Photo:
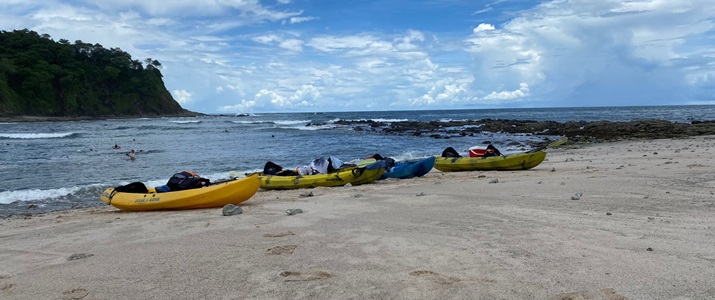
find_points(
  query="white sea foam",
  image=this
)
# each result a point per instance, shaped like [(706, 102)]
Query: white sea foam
[(35, 135), (315, 127), (309, 128), (381, 120), (35, 194), (186, 122), (301, 125), (404, 156), (252, 122), (291, 122)]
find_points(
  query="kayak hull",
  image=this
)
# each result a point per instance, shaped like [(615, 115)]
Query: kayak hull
[(353, 175), (216, 195), (517, 161), (410, 168)]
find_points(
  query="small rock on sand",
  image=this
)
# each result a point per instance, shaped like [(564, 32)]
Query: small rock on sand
[(293, 211), (230, 210)]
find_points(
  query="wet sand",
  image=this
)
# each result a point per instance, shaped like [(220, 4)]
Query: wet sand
[(642, 228)]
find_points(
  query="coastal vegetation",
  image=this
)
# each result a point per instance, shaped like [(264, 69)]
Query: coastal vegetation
[(40, 77)]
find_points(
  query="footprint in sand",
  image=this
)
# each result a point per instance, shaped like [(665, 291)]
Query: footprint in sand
[(436, 277), (607, 294), (278, 250), (77, 256), (75, 293), (280, 234), (298, 276), (6, 287)]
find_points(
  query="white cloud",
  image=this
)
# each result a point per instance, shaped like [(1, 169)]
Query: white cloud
[(292, 44), (444, 91), (413, 36), (296, 20), (361, 46), (372, 63), (336, 43), (246, 9), (522, 92), (483, 27), (295, 45), (304, 96), (267, 39), (596, 53), (245, 105), (182, 96), (272, 97)]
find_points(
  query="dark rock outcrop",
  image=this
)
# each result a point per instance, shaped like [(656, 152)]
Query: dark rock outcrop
[(584, 132)]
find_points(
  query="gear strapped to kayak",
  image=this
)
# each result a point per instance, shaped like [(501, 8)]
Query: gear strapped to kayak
[(185, 180), (320, 165)]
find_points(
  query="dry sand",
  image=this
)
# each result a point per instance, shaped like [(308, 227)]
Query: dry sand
[(644, 228)]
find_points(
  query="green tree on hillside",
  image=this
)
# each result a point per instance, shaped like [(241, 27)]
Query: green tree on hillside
[(41, 77)]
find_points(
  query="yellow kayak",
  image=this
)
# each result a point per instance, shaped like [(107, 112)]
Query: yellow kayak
[(216, 195), (372, 172), (518, 161), (353, 175)]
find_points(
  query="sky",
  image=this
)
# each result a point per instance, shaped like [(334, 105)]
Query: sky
[(249, 56)]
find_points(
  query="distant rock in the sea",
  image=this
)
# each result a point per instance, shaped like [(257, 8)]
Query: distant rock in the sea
[(582, 131)]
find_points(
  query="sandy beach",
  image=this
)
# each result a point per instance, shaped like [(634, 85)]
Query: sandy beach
[(642, 228)]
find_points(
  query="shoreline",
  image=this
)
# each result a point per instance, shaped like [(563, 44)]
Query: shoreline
[(578, 132), (24, 118), (643, 229)]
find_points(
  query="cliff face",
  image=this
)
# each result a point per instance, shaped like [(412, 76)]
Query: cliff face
[(41, 77)]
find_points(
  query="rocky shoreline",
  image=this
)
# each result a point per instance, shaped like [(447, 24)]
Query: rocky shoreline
[(577, 132)]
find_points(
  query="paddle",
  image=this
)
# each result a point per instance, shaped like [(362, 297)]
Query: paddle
[(222, 181), (558, 142), (553, 144), (232, 179)]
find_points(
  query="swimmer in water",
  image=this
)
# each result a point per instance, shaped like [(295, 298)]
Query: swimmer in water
[(131, 155)]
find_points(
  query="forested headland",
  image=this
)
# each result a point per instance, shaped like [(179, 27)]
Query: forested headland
[(40, 77)]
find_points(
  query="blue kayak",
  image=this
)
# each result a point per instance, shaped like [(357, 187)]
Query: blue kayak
[(410, 168)]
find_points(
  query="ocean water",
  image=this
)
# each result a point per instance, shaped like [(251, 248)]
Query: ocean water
[(60, 165)]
